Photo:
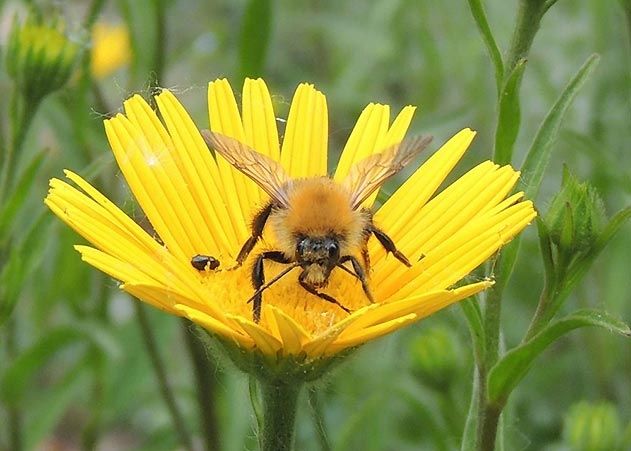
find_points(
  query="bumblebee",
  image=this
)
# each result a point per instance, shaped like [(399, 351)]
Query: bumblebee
[(319, 224)]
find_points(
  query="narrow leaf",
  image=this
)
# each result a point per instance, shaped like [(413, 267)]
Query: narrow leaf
[(539, 154), (509, 116), (509, 371), (254, 38), (19, 193), (479, 15)]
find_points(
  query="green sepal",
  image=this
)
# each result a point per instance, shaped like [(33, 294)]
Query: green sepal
[(282, 368)]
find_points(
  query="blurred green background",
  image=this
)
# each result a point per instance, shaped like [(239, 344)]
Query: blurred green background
[(76, 362)]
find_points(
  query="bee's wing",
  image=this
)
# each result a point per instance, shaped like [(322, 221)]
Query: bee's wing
[(267, 173), (371, 172)]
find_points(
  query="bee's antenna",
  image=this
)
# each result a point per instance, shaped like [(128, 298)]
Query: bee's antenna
[(273, 281)]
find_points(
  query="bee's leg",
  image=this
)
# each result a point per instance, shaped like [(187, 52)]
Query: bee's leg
[(319, 294), (366, 258), (389, 245), (359, 273), (258, 279), (258, 223)]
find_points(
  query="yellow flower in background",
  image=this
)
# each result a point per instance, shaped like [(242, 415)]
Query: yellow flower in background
[(111, 49), (200, 204)]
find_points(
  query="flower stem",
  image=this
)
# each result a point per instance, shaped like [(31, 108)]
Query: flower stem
[(279, 414), (318, 419), (158, 366), (205, 381), (529, 17), (14, 414)]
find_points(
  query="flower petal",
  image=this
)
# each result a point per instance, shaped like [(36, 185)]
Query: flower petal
[(370, 333), (399, 212), (242, 194), (465, 250), (422, 304), (198, 169), (371, 135), (304, 151), (156, 184), (259, 121), (212, 325), (370, 128), (267, 343), (292, 334)]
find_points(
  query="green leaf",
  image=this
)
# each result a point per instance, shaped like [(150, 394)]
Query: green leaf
[(477, 11), (19, 193), (15, 379), (254, 37), (539, 154), (512, 368), (509, 116), (24, 257)]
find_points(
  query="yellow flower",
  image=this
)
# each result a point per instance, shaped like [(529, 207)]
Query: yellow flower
[(201, 205), (111, 49)]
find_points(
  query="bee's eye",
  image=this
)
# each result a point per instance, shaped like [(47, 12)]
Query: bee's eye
[(333, 248)]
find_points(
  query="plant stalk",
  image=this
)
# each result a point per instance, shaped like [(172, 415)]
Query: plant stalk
[(158, 367), (280, 401), (529, 16), (205, 382)]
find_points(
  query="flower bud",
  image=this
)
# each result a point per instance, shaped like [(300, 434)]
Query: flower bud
[(39, 57), (435, 356), (592, 427), (575, 217)]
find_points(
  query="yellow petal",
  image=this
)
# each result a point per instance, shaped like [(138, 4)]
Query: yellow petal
[(399, 211), (371, 135), (304, 151), (259, 121), (241, 192), (369, 130), (199, 170), (214, 326), (369, 333), (292, 335), (267, 343), (460, 254), (319, 344), (156, 184), (422, 304)]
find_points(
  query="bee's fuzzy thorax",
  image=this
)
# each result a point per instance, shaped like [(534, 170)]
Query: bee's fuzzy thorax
[(319, 207)]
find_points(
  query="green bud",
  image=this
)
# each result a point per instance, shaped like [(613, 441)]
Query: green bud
[(575, 217), (39, 57), (435, 356), (592, 427)]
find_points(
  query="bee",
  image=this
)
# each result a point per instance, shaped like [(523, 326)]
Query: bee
[(319, 224)]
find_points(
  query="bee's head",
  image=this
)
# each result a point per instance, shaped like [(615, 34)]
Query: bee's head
[(322, 250)]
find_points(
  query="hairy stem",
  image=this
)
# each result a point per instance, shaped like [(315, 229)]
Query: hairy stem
[(280, 401), (529, 16), (205, 381), (158, 367)]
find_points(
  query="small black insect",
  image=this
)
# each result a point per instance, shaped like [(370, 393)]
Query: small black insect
[(204, 262)]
